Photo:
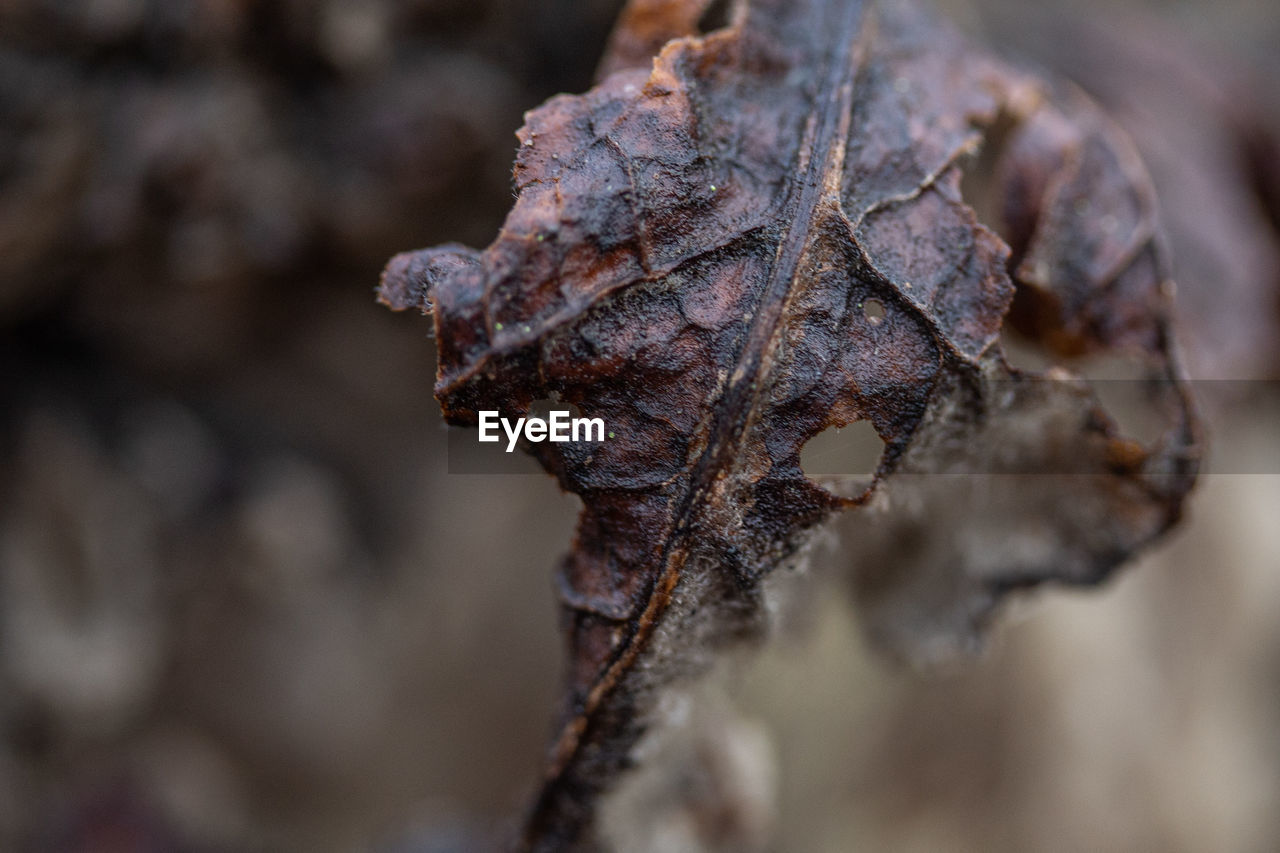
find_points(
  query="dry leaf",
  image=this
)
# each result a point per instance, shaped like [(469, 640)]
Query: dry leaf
[(759, 235)]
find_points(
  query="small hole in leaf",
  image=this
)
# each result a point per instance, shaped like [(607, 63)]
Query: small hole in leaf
[(849, 451), (717, 16), (873, 309)]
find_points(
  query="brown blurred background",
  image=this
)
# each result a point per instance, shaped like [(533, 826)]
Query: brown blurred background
[(244, 605)]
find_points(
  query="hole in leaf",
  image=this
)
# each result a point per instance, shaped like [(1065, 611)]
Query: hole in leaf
[(1128, 392), (1125, 387), (850, 451), (873, 309), (1023, 352), (978, 185), (717, 16), (544, 407)]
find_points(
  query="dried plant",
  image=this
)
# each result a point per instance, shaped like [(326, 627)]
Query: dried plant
[(743, 237)]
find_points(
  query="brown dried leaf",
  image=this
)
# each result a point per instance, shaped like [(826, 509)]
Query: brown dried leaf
[(760, 235)]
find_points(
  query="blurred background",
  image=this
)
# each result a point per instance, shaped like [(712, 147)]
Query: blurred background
[(244, 605)]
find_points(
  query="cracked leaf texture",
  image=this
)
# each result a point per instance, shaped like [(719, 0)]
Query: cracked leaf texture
[(690, 257)]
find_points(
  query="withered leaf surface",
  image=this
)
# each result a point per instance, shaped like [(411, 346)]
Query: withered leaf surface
[(759, 234)]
